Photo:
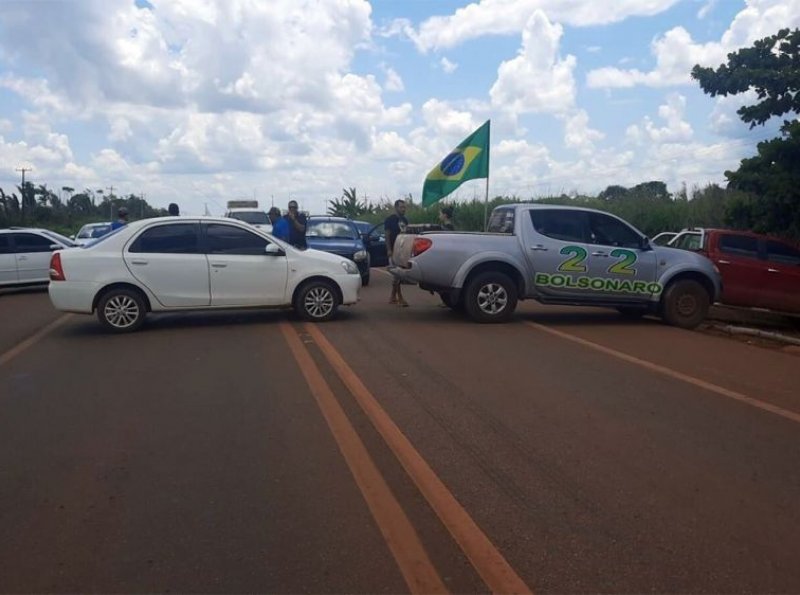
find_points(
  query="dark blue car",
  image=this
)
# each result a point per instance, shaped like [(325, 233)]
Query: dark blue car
[(340, 236)]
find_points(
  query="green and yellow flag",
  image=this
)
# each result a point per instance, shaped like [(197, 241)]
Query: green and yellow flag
[(468, 161)]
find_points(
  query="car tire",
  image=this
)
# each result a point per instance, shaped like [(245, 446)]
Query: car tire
[(316, 301), (122, 310), (685, 304), (490, 298)]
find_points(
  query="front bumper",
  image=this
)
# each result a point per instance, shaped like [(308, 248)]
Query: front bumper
[(350, 286)]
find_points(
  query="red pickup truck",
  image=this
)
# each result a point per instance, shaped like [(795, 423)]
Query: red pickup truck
[(757, 271)]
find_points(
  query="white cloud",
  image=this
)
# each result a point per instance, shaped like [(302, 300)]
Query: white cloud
[(505, 17), (448, 66), (675, 130), (393, 81), (676, 52), (577, 134), (707, 8), (537, 80)]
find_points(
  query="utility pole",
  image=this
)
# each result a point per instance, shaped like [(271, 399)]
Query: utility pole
[(22, 192)]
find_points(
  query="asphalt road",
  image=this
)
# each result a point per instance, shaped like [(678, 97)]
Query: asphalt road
[(393, 450)]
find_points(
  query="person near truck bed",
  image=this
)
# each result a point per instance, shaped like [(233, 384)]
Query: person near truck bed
[(394, 225)]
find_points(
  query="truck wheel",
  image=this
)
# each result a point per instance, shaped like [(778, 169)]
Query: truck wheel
[(316, 301), (685, 304), (121, 310), (490, 297), (447, 300)]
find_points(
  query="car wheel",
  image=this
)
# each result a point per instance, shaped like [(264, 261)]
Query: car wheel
[(122, 310), (316, 301), (490, 297), (685, 304), (631, 312)]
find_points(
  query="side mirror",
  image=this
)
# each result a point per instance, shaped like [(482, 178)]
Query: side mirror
[(274, 250), (366, 237), (647, 245)]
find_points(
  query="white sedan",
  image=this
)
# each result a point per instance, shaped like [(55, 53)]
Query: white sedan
[(179, 263)]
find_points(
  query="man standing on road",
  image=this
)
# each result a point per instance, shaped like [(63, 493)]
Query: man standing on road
[(446, 218), (394, 225), (297, 226), (122, 219)]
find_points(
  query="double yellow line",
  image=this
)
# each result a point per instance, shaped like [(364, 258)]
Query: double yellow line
[(404, 543)]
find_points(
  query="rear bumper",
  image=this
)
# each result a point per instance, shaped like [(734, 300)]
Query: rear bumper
[(72, 296), (411, 274)]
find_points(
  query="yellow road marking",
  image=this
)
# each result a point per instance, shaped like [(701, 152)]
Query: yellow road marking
[(492, 567), (731, 394), (403, 541), (32, 340)]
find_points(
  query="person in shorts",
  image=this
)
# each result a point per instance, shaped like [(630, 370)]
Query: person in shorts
[(394, 225)]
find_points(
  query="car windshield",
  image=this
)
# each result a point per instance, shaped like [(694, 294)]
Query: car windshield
[(59, 238), (251, 217), (93, 231), (338, 230)]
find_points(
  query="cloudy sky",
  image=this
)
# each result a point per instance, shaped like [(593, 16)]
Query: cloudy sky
[(201, 101)]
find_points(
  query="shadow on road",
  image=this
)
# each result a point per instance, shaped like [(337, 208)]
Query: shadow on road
[(23, 290)]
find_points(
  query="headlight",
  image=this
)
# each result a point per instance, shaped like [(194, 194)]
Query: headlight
[(360, 255), (349, 267)]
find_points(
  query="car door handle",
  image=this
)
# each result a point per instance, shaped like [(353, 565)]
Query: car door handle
[(724, 261), (139, 262), (219, 265), (773, 271), (22, 258), (599, 253), (539, 248)]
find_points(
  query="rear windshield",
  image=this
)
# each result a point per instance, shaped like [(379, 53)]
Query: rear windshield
[(103, 238), (93, 231), (501, 221)]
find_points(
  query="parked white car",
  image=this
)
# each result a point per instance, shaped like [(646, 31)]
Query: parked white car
[(180, 263), (25, 254)]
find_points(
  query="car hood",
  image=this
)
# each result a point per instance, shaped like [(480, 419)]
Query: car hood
[(336, 246)]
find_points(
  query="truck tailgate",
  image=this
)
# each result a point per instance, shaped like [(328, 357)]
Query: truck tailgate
[(402, 249)]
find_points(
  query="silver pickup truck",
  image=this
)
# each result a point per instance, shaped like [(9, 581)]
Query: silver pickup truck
[(558, 255)]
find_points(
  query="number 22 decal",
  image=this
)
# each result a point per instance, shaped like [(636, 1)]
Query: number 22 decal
[(624, 266), (574, 264), (578, 255)]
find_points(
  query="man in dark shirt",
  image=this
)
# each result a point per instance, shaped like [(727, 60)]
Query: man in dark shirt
[(297, 226), (394, 225)]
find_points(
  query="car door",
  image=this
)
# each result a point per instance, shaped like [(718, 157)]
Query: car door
[(620, 267), (557, 251), (376, 246), (8, 260), (168, 260), (780, 286), (33, 256), (741, 269), (241, 271)]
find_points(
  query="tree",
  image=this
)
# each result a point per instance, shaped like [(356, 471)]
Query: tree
[(772, 68), (348, 205)]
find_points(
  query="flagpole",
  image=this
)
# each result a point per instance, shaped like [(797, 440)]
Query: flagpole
[(486, 201)]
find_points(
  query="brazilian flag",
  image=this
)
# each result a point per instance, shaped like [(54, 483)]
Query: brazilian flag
[(468, 161)]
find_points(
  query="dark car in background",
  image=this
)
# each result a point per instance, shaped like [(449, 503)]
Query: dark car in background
[(375, 242), (340, 236)]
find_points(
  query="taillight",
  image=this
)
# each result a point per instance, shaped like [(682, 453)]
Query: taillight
[(420, 245), (56, 270)]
